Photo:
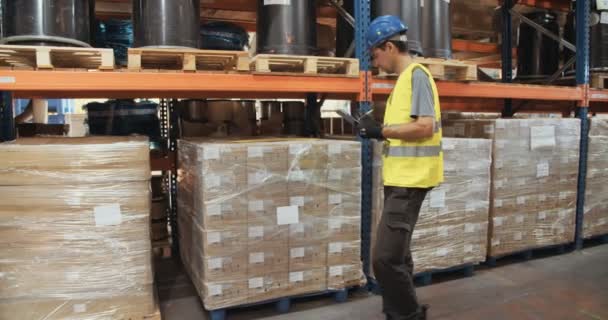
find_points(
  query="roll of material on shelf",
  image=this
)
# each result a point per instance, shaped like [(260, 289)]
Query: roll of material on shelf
[(409, 12), (538, 55), (47, 22), (437, 30), (167, 23), (287, 27)]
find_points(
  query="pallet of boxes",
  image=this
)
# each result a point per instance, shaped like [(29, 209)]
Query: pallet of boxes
[(534, 178), (596, 201), (75, 242), (452, 226), (262, 220)]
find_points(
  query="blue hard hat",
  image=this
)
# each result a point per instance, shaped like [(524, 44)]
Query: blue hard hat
[(384, 28)]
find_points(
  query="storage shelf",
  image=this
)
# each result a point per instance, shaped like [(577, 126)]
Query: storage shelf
[(83, 84), (561, 5)]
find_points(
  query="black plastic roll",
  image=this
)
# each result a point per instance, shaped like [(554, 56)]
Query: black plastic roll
[(409, 12), (287, 27), (538, 55), (47, 22), (166, 23)]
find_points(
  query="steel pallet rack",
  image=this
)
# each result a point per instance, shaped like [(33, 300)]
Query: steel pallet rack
[(456, 96)]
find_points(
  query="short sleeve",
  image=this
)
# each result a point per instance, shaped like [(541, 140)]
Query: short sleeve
[(423, 104)]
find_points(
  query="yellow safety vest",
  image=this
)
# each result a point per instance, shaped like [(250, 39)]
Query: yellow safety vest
[(415, 164)]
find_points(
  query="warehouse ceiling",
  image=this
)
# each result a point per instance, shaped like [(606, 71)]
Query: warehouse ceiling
[(242, 12)]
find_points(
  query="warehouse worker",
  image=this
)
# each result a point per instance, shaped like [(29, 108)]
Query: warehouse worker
[(413, 163)]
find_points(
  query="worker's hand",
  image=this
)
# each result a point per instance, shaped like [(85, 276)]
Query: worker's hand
[(370, 129)]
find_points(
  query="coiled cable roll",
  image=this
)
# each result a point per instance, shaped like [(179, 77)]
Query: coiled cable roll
[(218, 35)]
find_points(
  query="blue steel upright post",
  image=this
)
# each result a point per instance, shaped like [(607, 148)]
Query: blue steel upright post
[(583, 11), (507, 54), (362, 21)]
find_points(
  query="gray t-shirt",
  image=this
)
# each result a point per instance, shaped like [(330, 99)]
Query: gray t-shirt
[(423, 104)]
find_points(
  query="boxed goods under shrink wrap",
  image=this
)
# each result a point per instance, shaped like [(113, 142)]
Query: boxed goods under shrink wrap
[(76, 232), (534, 184), (596, 194), (453, 222), (264, 219)]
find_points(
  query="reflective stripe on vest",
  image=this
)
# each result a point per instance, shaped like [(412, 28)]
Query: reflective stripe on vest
[(436, 126), (414, 151)]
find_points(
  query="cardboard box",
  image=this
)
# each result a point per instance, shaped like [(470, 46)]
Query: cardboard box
[(308, 256), (595, 222), (306, 281)]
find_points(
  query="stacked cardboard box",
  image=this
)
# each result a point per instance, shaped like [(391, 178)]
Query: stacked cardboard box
[(534, 175), (453, 222), (75, 219), (269, 218), (596, 201)]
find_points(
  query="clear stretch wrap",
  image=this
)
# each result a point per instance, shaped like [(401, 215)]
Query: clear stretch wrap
[(263, 219), (453, 223), (596, 195), (534, 177), (74, 215)]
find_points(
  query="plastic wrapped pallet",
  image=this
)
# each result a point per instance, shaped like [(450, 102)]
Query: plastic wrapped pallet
[(453, 222), (596, 201), (264, 219), (75, 219)]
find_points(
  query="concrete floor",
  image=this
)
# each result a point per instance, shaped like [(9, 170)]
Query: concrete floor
[(573, 286)]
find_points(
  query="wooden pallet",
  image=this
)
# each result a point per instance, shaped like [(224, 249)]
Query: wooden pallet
[(39, 57), (598, 80), (189, 60), (161, 248), (442, 69), (309, 65)]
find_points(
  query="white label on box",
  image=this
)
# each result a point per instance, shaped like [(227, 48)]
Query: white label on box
[(521, 200), (296, 276), (517, 236), (296, 175), (335, 198), (542, 197), (335, 224), (442, 252), (542, 169), (215, 290), (498, 164), (437, 199), (256, 257), (79, 308), (256, 205), (470, 206), (335, 148), (215, 263), (288, 215), (214, 237), (257, 177), (212, 181), (604, 18), (498, 203), (107, 215), (602, 5), (296, 201), (214, 210), (563, 213), (495, 242), (256, 232), (335, 174), (468, 248), (519, 219), (542, 215), (255, 152), (297, 252), (277, 2), (336, 271), (469, 227), (499, 183), (335, 247), (542, 137), (498, 221), (255, 283), (211, 153), (295, 149), (563, 195), (442, 231), (488, 129)]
